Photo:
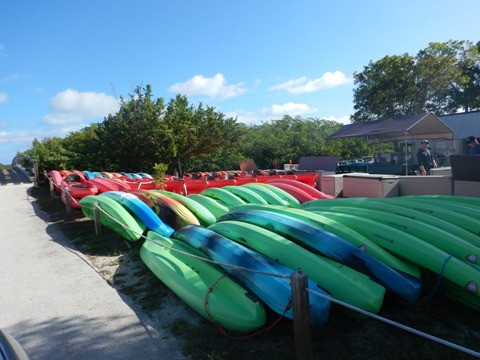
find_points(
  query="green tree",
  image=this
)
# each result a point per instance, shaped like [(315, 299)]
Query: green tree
[(84, 148), (403, 85), (279, 141), (385, 89), (467, 94), (51, 154), (192, 132), (133, 139)]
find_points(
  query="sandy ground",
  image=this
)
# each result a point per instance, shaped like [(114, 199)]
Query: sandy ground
[(58, 303)]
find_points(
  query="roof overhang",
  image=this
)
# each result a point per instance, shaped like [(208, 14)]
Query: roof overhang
[(416, 127)]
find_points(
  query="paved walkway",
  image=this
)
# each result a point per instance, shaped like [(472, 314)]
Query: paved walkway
[(12, 176), (55, 303)]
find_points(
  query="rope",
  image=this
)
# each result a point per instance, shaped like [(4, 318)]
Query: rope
[(398, 325), (224, 332), (439, 280), (440, 275), (282, 276)]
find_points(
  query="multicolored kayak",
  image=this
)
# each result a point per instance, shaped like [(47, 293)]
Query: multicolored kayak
[(171, 211), (202, 285), (268, 279), (446, 241), (337, 228), (341, 282), (416, 213), (136, 206), (413, 249), (316, 239), (204, 216)]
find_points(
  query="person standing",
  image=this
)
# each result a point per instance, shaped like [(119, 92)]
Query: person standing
[(474, 146), (425, 159)]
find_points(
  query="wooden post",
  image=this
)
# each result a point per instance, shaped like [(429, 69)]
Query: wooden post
[(96, 219), (67, 199), (36, 177), (52, 187), (301, 316)]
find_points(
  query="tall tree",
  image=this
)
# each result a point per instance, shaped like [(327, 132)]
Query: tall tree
[(466, 95), (133, 138), (403, 85), (385, 88), (51, 154), (196, 131), (279, 141), (84, 148)]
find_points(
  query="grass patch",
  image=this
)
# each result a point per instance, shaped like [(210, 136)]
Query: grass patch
[(341, 338)]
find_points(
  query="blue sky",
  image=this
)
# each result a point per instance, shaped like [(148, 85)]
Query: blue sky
[(64, 64)]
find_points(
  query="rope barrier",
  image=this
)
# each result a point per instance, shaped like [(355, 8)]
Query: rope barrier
[(339, 302), (239, 268), (224, 332), (398, 325)]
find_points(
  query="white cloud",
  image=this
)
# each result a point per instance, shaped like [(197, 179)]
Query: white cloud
[(3, 97), (246, 117), (277, 111), (18, 136), (305, 85), (13, 77), (291, 109), (214, 87), (71, 108), (345, 119)]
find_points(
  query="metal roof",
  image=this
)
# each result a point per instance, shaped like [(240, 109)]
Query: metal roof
[(416, 127), (463, 124)]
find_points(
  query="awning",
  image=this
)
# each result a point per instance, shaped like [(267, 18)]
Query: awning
[(416, 127)]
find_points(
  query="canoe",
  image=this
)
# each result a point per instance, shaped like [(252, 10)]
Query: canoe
[(56, 178), (204, 216), (413, 249), (314, 192), (216, 208), (267, 194), (225, 197), (105, 185), (339, 281), (287, 197), (137, 207), (316, 239), (274, 291), (114, 216), (440, 211), (446, 241), (299, 194), (76, 191), (171, 211), (246, 194), (354, 237), (197, 282), (408, 213)]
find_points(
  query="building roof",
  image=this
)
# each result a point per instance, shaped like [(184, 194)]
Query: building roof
[(463, 124), (416, 127)]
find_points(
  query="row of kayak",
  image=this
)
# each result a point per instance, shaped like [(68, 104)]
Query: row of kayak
[(74, 185), (354, 250)]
